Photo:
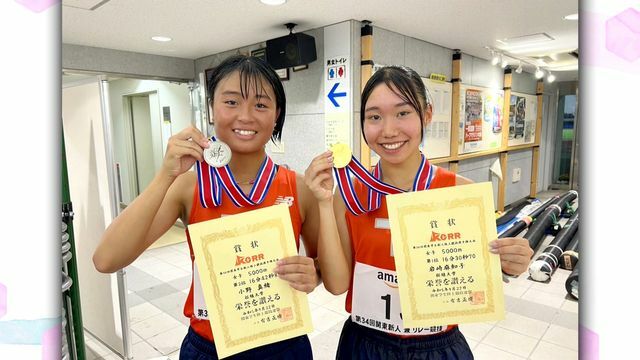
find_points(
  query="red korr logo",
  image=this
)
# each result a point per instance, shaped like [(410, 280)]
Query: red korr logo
[(440, 237), (240, 260)]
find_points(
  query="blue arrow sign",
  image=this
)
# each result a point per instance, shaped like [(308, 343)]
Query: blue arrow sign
[(333, 94)]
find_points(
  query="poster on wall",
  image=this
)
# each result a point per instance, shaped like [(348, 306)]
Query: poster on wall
[(472, 119), (481, 117), (436, 142), (493, 105), (516, 117), (522, 119)]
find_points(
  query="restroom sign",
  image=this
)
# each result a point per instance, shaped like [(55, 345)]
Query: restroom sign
[(336, 72)]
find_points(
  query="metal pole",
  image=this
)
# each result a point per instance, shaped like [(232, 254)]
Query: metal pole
[(120, 275)]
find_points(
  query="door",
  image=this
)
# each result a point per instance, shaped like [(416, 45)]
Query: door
[(565, 159)]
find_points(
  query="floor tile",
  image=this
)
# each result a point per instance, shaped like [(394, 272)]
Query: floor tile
[(142, 350), (543, 298), (171, 274), (146, 263), (570, 305), (324, 346), (486, 352), (135, 338), (323, 319), (510, 341), (531, 309), (567, 320), (562, 336), (556, 288), (515, 290), (174, 355), (154, 325), (320, 295), (337, 304), (472, 343), (524, 325), (475, 331), (134, 299), (547, 351), (142, 312), (168, 341), (157, 291), (170, 301)]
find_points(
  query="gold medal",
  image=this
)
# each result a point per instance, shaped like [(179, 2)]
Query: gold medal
[(341, 155)]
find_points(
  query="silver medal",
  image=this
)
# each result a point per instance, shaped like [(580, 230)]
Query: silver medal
[(218, 154)]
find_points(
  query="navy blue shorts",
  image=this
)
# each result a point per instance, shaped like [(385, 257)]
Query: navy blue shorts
[(195, 347), (360, 342)]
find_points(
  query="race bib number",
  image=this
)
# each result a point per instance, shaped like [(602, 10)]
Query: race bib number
[(376, 302), (199, 306)]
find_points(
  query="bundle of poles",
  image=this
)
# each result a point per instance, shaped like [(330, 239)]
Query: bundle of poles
[(563, 249), (549, 260)]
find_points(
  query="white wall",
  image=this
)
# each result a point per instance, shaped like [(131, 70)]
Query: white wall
[(174, 95), (89, 190)]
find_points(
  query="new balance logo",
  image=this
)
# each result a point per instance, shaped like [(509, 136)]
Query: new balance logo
[(284, 200)]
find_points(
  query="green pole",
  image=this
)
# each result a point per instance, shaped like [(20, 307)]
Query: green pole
[(72, 265)]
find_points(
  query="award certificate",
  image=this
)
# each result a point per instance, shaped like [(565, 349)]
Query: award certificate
[(248, 305), (446, 274)]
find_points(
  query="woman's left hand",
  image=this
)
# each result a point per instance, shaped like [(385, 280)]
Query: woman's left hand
[(299, 271), (515, 254)]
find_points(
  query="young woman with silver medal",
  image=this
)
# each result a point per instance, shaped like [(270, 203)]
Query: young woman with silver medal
[(233, 175)]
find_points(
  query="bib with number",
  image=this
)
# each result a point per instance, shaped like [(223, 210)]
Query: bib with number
[(376, 302)]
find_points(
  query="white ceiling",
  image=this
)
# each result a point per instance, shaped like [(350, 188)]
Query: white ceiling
[(204, 27)]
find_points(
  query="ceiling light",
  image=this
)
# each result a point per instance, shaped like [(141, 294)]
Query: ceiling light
[(519, 69), (495, 59), (273, 2), (161, 38), (571, 17), (551, 78), (504, 62), (539, 73)]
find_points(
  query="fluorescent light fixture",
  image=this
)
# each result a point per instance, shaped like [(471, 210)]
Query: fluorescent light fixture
[(161, 38), (273, 2), (571, 17), (551, 78), (539, 73)]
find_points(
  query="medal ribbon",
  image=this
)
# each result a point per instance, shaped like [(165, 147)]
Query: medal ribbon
[(377, 188), (211, 181)]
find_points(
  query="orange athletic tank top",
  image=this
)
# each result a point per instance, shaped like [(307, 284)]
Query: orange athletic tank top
[(373, 267), (282, 191)]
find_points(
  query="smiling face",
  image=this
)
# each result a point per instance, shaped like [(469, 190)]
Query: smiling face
[(244, 113), (392, 126)]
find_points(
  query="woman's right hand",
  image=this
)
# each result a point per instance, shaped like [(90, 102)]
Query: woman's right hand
[(319, 176), (183, 149)]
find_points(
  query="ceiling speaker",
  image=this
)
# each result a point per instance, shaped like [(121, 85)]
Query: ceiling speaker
[(291, 50)]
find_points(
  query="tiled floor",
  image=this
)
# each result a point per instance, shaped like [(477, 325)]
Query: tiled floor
[(541, 320)]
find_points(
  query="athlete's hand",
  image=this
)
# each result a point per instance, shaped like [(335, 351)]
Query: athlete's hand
[(183, 149), (515, 254), (319, 176), (299, 271)]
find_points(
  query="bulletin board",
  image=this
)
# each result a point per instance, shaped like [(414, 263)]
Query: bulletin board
[(480, 123), (523, 110), (437, 135)]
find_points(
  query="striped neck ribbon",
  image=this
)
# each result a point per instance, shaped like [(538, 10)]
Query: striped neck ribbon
[(211, 181), (377, 188)]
